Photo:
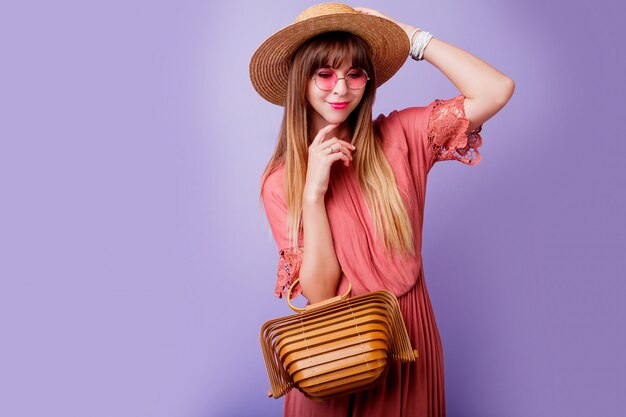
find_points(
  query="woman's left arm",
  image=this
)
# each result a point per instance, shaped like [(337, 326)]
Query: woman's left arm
[(486, 89)]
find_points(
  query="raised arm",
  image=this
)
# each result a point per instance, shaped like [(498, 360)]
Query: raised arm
[(486, 89), (320, 270)]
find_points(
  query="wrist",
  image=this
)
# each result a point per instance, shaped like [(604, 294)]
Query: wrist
[(312, 199), (419, 41), (409, 30)]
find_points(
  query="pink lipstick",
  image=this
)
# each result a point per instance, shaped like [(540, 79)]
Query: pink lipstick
[(339, 105)]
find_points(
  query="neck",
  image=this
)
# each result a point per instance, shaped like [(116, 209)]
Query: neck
[(343, 131)]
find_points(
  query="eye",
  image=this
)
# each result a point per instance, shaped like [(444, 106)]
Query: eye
[(356, 73), (325, 73)]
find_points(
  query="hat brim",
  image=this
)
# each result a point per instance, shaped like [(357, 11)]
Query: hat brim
[(269, 66)]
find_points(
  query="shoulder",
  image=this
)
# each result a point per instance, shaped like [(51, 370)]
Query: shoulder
[(404, 118), (274, 184), (399, 126)]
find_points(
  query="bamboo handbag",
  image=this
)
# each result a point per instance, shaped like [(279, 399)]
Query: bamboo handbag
[(335, 347)]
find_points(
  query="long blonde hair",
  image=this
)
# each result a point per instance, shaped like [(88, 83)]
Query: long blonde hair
[(373, 171)]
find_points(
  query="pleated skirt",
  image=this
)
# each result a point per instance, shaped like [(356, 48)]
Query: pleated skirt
[(409, 390)]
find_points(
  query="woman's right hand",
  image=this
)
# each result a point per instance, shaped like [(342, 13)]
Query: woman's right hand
[(322, 154)]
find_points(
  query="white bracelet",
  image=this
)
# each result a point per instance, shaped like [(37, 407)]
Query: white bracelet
[(413, 34), (418, 47)]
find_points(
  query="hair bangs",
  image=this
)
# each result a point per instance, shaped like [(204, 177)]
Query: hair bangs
[(334, 49)]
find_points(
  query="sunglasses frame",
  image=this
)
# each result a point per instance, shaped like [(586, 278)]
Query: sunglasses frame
[(367, 78)]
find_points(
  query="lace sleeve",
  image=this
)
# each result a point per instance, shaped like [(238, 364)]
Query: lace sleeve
[(447, 132), (290, 255), (288, 270)]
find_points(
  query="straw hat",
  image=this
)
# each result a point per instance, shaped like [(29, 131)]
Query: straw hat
[(269, 66)]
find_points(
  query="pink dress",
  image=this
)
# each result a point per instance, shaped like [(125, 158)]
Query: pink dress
[(413, 140)]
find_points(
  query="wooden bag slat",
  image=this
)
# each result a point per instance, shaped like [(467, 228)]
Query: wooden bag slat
[(335, 316), (335, 351), (312, 334), (373, 299), (347, 385), (310, 350), (346, 368), (371, 315), (309, 332), (295, 327), (299, 322), (321, 351), (295, 322), (344, 337)]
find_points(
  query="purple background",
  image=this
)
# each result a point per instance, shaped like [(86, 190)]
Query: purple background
[(136, 264)]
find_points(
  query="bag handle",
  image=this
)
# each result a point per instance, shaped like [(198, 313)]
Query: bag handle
[(321, 303)]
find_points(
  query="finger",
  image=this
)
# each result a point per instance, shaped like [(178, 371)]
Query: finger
[(363, 10), (334, 140), (334, 157), (345, 150), (328, 146), (372, 12), (340, 149), (367, 10), (347, 144), (323, 132), (338, 146)]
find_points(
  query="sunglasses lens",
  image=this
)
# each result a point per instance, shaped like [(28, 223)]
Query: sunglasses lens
[(326, 79), (356, 78)]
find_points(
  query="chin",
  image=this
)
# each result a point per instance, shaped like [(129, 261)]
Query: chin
[(336, 119)]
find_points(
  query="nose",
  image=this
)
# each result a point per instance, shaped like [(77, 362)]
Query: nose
[(341, 87)]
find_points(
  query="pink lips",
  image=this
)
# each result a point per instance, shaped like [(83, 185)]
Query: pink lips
[(339, 105)]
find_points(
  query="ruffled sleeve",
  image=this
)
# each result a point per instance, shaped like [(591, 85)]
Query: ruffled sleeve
[(289, 262), (289, 257), (447, 132)]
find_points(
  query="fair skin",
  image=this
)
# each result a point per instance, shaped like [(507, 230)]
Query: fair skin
[(486, 91), (320, 270)]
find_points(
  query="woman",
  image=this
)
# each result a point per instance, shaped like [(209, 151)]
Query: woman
[(344, 195)]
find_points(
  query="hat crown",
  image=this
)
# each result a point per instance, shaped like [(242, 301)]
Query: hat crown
[(324, 9)]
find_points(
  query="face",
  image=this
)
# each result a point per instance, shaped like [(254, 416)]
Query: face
[(332, 106)]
